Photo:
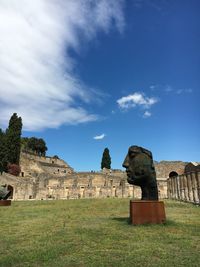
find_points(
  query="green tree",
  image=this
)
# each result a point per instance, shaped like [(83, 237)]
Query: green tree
[(31, 144), (3, 162), (41, 147), (106, 159), (13, 139), (37, 145), (24, 141)]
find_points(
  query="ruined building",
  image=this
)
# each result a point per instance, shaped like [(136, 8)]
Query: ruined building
[(52, 178)]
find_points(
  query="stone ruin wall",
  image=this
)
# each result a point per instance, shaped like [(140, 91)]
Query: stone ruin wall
[(50, 178), (164, 168), (186, 186), (31, 165)]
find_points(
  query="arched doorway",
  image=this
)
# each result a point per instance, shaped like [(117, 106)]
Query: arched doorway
[(173, 174)]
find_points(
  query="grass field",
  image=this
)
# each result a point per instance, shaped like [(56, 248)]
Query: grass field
[(96, 232)]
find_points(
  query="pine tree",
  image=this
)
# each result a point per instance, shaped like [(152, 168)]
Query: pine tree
[(13, 139), (106, 159), (37, 146)]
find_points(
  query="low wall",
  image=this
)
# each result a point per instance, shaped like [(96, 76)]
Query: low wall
[(185, 187)]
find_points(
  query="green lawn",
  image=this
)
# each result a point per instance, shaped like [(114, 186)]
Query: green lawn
[(96, 232)]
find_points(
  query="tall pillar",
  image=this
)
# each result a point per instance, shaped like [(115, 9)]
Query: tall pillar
[(181, 187), (175, 187), (194, 187), (198, 184), (172, 187), (169, 190), (178, 187), (189, 185), (186, 198), (173, 193)]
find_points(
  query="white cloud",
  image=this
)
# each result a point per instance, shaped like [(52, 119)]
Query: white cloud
[(168, 89), (136, 99), (182, 91), (147, 114), (37, 77), (152, 87), (99, 137)]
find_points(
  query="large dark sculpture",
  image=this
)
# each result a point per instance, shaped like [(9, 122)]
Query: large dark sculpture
[(141, 171), (4, 192)]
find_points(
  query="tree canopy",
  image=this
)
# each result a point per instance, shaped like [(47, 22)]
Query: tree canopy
[(36, 145)]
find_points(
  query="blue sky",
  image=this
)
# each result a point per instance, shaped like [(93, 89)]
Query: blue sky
[(87, 75)]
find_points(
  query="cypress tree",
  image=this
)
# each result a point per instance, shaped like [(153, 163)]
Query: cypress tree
[(13, 139), (3, 162), (106, 159)]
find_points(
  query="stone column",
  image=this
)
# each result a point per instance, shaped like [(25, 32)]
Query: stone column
[(189, 186), (186, 198), (198, 184), (123, 188), (178, 187), (168, 188), (181, 187), (194, 187), (173, 188)]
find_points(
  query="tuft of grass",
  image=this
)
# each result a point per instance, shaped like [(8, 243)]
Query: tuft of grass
[(96, 232)]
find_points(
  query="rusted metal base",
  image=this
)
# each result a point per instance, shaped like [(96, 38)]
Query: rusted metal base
[(147, 212), (5, 202)]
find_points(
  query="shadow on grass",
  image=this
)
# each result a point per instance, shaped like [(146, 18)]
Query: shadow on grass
[(123, 220), (171, 223)]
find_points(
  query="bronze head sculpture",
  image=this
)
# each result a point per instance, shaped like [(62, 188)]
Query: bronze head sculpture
[(4, 192), (141, 171)]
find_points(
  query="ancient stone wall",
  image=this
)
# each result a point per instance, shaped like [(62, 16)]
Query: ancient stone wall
[(23, 188), (84, 185), (164, 168), (32, 164), (52, 178)]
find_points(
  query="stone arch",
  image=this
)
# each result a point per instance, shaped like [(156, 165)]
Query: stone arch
[(173, 174)]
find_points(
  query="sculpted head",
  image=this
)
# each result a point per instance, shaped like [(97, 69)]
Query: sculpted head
[(140, 171), (4, 192)]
